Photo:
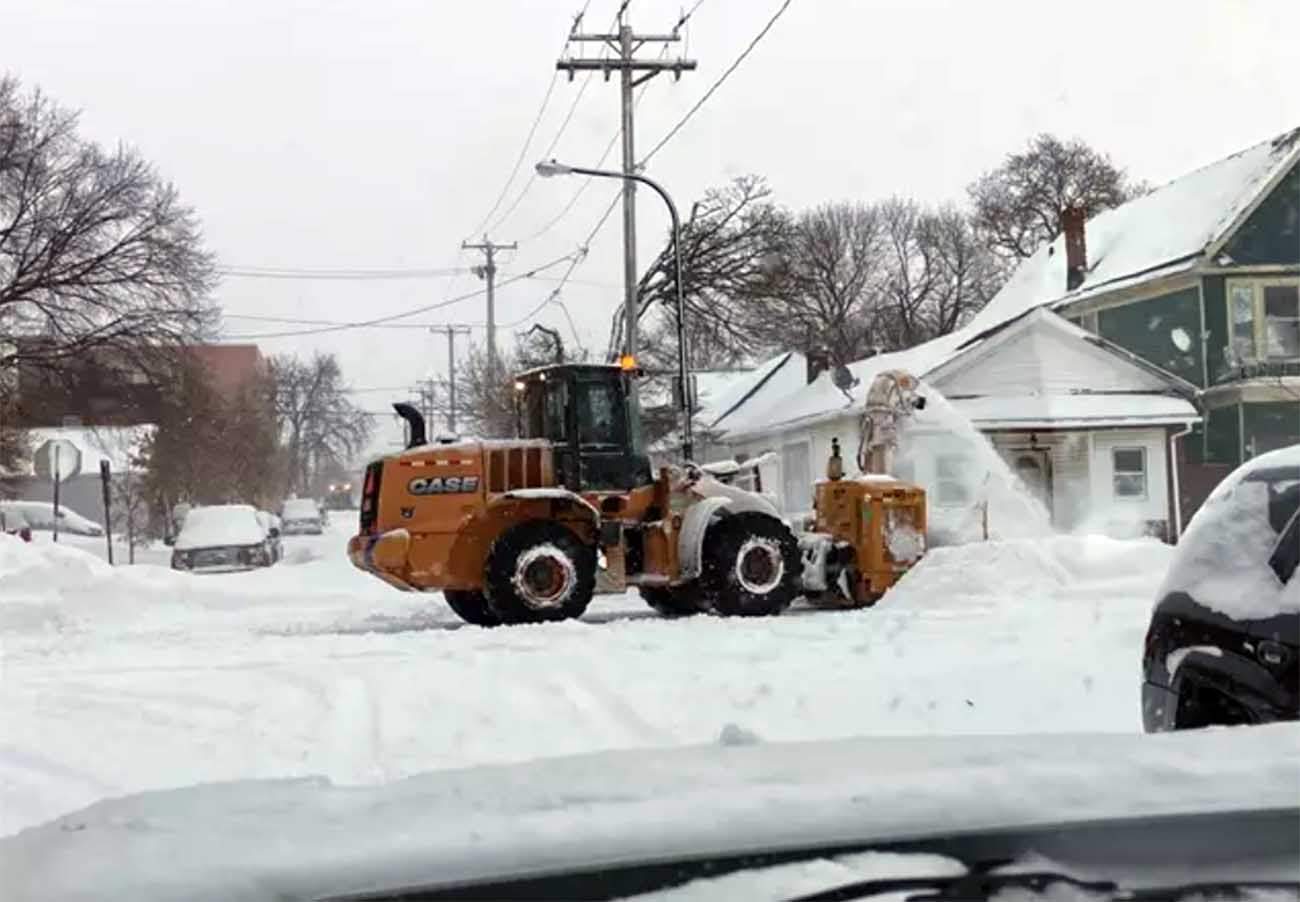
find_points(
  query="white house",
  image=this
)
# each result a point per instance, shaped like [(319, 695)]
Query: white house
[(1086, 426)]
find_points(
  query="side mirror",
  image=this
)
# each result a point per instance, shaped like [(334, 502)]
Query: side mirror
[(169, 541), (273, 532)]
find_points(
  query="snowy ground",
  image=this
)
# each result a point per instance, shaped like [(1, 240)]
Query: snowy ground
[(133, 678)]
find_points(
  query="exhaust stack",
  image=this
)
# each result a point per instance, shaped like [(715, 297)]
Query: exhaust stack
[(415, 420)]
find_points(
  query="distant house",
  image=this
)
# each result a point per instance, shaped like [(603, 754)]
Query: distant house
[(1201, 277), (1121, 371), (105, 389), (82, 491)]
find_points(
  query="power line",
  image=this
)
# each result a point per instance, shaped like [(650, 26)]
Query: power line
[(686, 16), (364, 275), (532, 131), (573, 264), (550, 149), (546, 154), (609, 148), (717, 84), (404, 314)]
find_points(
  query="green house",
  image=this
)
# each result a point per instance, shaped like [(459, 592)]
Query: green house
[(1200, 277)]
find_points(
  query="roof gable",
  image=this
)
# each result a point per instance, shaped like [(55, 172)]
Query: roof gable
[(1157, 234), (1271, 232), (770, 380), (1043, 354)]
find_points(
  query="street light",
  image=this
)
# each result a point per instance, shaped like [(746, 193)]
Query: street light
[(549, 168)]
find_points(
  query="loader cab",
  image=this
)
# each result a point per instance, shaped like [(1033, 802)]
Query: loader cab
[(589, 413)]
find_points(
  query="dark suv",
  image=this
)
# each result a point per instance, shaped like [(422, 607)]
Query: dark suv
[(1224, 642)]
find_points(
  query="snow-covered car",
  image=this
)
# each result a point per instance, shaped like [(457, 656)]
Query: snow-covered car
[(1223, 646), (221, 538), (14, 523), (40, 516), (301, 516), (271, 523)]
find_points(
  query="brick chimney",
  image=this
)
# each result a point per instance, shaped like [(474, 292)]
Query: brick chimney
[(1073, 220), (819, 361)]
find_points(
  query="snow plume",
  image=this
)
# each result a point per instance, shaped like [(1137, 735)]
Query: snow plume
[(966, 479)]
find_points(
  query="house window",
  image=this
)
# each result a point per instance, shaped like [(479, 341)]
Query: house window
[(1264, 319), (1129, 466), (950, 489)]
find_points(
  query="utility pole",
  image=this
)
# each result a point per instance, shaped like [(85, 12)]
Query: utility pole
[(488, 272), (427, 399), (451, 332), (625, 44)]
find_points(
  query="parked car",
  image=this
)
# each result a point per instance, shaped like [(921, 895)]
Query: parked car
[(40, 516), (14, 523), (271, 524), (222, 537), (301, 516), (1223, 646)]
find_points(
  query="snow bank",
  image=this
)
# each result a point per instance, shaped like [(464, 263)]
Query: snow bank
[(1029, 570)]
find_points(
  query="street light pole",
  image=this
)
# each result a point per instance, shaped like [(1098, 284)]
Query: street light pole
[(548, 168)]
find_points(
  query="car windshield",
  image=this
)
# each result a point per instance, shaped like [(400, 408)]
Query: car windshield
[(493, 438)]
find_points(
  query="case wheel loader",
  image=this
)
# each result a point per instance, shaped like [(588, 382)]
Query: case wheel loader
[(512, 531)]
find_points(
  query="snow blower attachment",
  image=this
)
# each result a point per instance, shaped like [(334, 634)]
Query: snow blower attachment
[(867, 531), (513, 531)]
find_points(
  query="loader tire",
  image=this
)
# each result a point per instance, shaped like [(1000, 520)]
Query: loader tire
[(675, 601), (752, 565), (538, 572), (471, 606)]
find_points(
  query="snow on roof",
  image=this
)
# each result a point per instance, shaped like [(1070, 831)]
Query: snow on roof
[(772, 378), (115, 444), (1158, 234), (1075, 411), (819, 400)]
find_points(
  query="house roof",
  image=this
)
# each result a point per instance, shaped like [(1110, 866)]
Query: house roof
[(1064, 362), (771, 379), (1156, 235)]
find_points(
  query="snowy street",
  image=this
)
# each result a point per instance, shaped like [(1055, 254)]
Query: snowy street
[(133, 678)]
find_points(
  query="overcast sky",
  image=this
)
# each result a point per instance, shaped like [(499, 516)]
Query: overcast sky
[(379, 133)]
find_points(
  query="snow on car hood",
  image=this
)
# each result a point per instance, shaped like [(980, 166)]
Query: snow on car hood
[(300, 510), (1222, 559), (295, 839), (218, 527)]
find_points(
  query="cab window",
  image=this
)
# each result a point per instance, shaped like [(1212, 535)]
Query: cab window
[(557, 401), (599, 422)]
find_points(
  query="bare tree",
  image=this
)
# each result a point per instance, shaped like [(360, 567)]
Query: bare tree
[(937, 273), (319, 425), (728, 241), (822, 290), (15, 446), (96, 250), (1018, 205)]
